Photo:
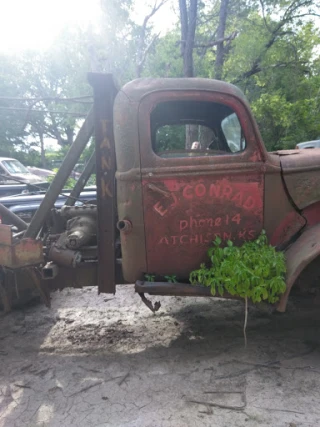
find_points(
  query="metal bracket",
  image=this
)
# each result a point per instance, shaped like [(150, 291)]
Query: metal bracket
[(149, 304)]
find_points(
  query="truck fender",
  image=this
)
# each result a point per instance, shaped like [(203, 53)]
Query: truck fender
[(303, 251)]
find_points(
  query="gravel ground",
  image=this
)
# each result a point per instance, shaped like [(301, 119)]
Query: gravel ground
[(108, 361)]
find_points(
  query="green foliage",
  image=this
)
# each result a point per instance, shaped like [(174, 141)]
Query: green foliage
[(271, 52), (254, 270), (150, 277), (70, 183), (171, 137), (29, 82), (171, 279), (165, 60), (92, 180)]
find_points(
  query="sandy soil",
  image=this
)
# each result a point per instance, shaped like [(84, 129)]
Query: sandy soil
[(108, 361)]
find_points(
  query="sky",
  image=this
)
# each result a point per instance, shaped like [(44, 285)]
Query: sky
[(35, 24)]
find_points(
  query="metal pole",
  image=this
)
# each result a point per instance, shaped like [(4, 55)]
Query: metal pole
[(61, 177), (17, 221), (85, 175), (105, 90)]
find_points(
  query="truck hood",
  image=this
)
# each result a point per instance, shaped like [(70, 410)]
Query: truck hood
[(301, 174)]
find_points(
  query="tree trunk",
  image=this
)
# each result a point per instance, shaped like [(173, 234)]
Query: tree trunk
[(218, 67), (206, 137), (188, 20), (192, 135), (70, 134), (42, 150)]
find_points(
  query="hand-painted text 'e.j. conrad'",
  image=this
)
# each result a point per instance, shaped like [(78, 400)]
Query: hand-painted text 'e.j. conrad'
[(224, 192)]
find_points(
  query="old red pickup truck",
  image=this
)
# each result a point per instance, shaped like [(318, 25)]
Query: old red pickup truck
[(178, 161)]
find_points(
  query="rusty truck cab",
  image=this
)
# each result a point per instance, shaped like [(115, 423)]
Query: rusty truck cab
[(178, 199)]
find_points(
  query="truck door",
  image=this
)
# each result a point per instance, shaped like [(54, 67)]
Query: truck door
[(202, 172)]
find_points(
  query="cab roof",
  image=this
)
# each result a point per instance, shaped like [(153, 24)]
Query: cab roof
[(137, 89)]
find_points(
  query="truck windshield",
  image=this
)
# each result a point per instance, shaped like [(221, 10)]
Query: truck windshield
[(14, 167)]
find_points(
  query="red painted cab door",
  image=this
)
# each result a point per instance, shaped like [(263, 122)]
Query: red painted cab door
[(202, 177)]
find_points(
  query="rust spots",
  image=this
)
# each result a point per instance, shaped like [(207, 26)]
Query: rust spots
[(291, 224), (105, 160), (312, 213), (183, 216), (256, 156)]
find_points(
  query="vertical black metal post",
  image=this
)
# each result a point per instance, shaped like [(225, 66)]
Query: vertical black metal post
[(105, 90)]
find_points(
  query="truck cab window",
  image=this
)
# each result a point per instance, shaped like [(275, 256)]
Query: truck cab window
[(233, 133), (192, 128)]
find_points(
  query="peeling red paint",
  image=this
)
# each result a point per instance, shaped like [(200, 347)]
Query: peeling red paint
[(312, 214), (180, 228), (291, 225)]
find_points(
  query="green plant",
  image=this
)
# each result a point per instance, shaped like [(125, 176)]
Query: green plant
[(150, 277), (70, 183), (171, 279), (253, 271)]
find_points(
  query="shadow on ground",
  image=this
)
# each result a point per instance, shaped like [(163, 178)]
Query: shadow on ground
[(108, 361)]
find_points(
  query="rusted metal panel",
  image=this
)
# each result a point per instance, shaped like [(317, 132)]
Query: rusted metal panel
[(251, 157), (282, 221), (129, 189), (301, 172), (298, 256), (83, 275), (5, 235), (18, 254), (178, 289), (133, 106), (182, 223), (190, 200), (312, 214), (105, 90)]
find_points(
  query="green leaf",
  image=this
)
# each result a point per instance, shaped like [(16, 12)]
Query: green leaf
[(254, 270)]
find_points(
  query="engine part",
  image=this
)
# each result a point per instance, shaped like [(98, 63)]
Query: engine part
[(50, 270), (124, 226), (80, 231), (63, 256), (21, 253), (72, 211)]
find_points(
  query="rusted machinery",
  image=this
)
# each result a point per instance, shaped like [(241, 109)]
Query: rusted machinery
[(161, 199)]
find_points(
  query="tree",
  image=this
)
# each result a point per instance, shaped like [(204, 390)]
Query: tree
[(262, 46), (37, 94), (146, 39), (127, 40), (284, 93), (188, 21)]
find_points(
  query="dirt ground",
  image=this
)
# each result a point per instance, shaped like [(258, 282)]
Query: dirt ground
[(108, 361)]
